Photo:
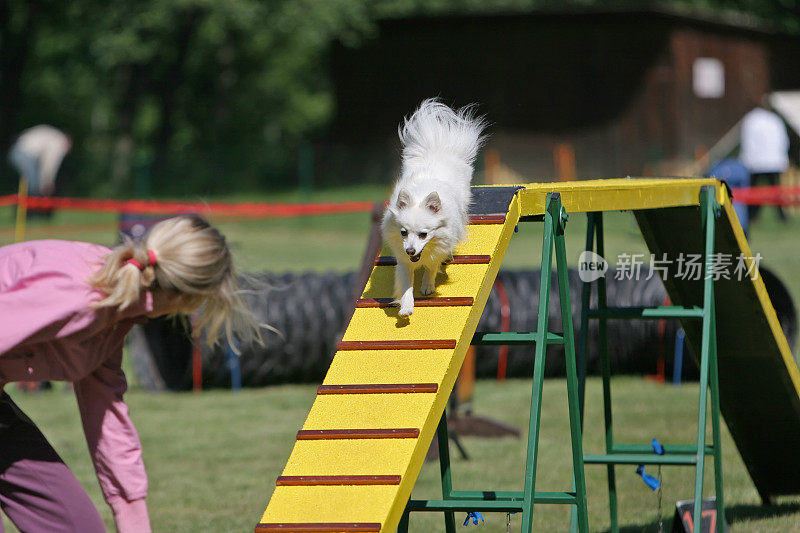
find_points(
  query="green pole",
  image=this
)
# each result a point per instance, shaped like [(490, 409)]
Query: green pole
[(586, 297), (578, 480), (608, 420), (538, 365), (715, 414), (707, 201), (444, 470)]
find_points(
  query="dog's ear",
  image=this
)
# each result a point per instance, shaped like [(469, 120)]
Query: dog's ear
[(403, 199), (433, 202)]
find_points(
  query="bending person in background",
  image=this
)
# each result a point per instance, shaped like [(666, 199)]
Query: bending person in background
[(764, 150), (37, 155), (66, 308)]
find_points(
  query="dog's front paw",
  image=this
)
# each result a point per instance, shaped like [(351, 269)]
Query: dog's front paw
[(428, 285), (427, 288), (406, 306)]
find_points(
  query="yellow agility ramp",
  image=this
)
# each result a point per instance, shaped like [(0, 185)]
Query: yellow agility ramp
[(361, 448)]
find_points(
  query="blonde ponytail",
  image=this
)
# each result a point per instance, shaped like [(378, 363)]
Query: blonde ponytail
[(193, 262), (122, 280)]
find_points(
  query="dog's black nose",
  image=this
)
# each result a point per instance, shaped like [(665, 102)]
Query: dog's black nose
[(411, 251)]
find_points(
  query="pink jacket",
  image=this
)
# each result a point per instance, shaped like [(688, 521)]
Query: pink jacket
[(50, 332)]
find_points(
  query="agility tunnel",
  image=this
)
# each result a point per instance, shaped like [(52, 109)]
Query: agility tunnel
[(360, 450), (301, 349)]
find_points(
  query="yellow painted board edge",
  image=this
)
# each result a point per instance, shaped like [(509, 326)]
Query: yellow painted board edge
[(435, 414), (761, 292), (616, 194)]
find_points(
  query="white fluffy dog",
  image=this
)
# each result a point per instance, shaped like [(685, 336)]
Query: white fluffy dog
[(427, 215)]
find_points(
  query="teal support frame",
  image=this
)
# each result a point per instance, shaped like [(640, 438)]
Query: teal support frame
[(523, 501), (681, 454)]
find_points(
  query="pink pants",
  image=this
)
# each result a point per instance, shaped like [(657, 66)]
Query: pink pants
[(37, 490)]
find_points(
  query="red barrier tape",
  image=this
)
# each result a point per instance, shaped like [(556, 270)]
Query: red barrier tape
[(11, 199), (767, 195), (150, 207)]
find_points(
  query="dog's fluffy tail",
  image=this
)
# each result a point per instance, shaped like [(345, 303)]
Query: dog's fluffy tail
[(436, 135)]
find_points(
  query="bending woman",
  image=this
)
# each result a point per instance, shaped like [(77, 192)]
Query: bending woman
[(66, 308)]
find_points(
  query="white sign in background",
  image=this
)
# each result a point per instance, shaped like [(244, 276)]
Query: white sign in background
[(708, 77)]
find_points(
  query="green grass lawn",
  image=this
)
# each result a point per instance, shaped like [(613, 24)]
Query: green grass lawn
[(212, 458)]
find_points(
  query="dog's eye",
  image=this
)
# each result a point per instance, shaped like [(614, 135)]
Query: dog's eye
[(404, 232), (423, 235)]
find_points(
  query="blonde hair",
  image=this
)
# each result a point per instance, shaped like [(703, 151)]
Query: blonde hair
[(193, 262)]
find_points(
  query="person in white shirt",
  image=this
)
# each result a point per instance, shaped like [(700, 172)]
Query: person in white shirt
[(764, 150), (37, 155)]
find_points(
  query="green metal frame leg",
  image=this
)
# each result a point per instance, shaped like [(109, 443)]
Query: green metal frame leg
[(578, 479), (715, 431), (444, 470), (594, 233), (608, 418), (708, 368), (715, 407), (583, 341), (586, 298), (701, 436), (538, 365)]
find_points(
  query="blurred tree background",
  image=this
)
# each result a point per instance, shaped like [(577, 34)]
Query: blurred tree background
[(175, 97)]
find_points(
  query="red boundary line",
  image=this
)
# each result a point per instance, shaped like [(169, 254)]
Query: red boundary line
[(152, 207), (767, 195), (762, 195)]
